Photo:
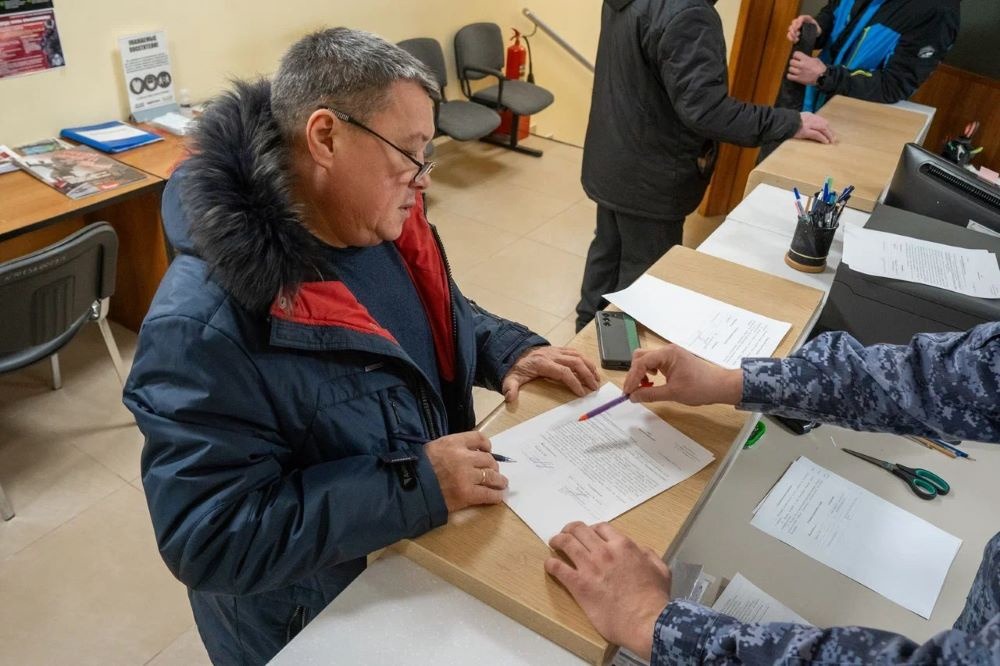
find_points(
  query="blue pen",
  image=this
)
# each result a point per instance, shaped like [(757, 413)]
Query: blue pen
[(958, 452), (846, 194), (798, 202)]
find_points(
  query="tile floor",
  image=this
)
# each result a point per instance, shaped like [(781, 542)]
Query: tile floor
[(80, 579)]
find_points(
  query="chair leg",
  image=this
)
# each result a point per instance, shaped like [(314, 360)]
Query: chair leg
[(109, 341), (511, 142), (56, 374), (6, 508)]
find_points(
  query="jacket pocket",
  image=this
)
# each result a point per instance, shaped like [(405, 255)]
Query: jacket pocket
[(361, 414)]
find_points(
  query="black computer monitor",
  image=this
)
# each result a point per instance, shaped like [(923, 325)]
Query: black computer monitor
[(927, 184)]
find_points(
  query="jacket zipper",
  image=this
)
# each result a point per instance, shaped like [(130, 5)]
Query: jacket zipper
[(451, 292), (298, 616), (426, 413), (854, 54)]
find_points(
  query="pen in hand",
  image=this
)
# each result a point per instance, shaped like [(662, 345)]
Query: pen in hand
[(611, 403), (500, 458)]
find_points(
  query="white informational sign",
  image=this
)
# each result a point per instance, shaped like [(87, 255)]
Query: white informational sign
[(148, 78)]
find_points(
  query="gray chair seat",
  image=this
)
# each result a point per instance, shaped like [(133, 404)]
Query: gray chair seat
[(464, 121), (520, 97)]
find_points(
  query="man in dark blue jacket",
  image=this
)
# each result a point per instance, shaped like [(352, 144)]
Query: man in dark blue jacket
[(304, 375)]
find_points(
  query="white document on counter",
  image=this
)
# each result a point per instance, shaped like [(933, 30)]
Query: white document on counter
[(969, 272), (592, 470), (750, 604), (716, 331), (891, 551)]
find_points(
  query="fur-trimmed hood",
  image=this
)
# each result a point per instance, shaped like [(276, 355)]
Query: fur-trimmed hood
[(237, 196)]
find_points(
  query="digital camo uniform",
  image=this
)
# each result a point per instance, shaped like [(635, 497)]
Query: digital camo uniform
[(939, 384)]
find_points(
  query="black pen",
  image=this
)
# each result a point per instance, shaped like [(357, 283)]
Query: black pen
[(500, 458)]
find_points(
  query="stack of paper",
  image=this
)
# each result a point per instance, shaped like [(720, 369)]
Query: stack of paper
[(891, 551), (592, 470), (969, 272)]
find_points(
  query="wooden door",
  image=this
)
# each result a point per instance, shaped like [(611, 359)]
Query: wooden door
[(756, 65)]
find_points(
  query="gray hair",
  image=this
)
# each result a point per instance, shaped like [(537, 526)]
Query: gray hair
[(351, 70)]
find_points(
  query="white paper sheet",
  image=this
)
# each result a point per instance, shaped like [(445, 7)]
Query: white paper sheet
[(114, 133), (716, 331), (592, 470), (891, 551), (981, 228), (969, 272), (750, 604)]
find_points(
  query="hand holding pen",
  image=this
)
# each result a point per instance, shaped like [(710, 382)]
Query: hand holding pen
[(612, 403)]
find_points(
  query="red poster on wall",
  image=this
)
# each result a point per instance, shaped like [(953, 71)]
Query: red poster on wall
[(29, 39)]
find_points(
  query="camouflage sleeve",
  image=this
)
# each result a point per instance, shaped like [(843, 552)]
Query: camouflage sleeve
[(940, 384), (687, 633)]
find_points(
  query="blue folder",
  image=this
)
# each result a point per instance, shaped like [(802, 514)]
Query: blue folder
[(85, 135)]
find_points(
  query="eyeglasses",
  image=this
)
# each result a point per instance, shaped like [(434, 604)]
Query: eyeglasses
[(423, 168)]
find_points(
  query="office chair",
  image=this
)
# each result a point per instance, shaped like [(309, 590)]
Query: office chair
[(462, 121), (46, 297), (479, 53)]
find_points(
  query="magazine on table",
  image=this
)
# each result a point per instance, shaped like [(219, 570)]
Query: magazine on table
[(7, 163), (8, 156), (76, 171)]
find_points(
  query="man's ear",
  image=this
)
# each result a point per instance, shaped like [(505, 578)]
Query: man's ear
[(322, 136)]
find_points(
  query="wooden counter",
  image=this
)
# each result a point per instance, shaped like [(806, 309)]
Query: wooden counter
[(490, 553), (870, 138)]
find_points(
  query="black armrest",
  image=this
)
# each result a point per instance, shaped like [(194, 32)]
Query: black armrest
[(489, 72)]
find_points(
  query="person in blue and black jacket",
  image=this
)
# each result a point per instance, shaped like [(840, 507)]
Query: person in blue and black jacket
[(876, 50)]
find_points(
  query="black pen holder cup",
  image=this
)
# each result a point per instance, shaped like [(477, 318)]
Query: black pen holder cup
[(810, 245)]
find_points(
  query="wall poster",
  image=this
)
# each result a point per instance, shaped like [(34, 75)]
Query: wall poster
[(29, 38)]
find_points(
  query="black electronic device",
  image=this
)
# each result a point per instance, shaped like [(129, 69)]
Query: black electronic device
[(617, 338), (796, 426), (928, 184), (876, 309)]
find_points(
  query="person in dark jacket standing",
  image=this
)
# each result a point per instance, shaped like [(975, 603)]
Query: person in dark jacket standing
[(940, 384), (876, 50), (303, 378), (660, 102)]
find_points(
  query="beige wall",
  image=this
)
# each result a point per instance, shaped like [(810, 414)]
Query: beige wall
[(211, 41), (729, 10)]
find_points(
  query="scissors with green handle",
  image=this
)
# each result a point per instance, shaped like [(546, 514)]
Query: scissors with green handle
[(924, 484)]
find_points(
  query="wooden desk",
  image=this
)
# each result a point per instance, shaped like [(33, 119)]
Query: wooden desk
[(490, 553), (870, 138), (34, 215), (160, 158)]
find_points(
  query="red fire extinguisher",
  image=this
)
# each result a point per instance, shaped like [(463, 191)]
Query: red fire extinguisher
[(516, 57)]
